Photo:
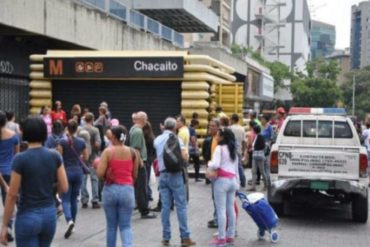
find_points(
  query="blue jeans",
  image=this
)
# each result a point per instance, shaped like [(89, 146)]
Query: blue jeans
[(69, 199), (224, 192), (35, 227), (172, 187), (118, 203), (94, 187)]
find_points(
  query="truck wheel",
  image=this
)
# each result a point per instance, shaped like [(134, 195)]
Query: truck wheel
[(279, 208), (359, 209)]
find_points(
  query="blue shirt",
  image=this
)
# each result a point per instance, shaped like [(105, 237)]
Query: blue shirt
[(38, 169), (267, 133), (71, 156), (159, 143), (7, 152)]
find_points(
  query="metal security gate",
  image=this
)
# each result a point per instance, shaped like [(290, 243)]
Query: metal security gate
[(158, 99), (14, 95)]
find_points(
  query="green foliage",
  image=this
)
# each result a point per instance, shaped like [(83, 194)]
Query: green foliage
[(315, 92), (279, 71), (362, 91), (323, 69), (318, 88)]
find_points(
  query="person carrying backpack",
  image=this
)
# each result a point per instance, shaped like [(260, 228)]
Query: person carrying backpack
[(171, 154)]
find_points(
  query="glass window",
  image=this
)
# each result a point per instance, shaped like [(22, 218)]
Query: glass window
[(117, 9), (325, 129), (293, 128), (342, 130), (309, 128)]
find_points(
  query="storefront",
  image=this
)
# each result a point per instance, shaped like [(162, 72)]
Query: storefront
[(260, 89), (14, 71), (160, 83)]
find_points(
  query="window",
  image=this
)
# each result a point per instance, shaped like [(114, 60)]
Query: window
[(293, 129), (325, 129), (117, 9), (309, 128), (342, 130)]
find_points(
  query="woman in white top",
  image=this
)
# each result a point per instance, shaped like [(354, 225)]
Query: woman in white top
[(224, 163)]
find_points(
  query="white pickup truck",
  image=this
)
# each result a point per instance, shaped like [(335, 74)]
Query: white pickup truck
[(317, 159)]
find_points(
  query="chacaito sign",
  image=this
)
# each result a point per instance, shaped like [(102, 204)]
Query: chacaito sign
[(113, 67)]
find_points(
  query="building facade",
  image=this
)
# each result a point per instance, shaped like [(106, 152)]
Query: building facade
[(323, 36), (279, 30), (87, 25), (342, 58), (222, 37), (360, 35)]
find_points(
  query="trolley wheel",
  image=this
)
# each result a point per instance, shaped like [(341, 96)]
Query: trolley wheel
[(274, 236), (260, 234)]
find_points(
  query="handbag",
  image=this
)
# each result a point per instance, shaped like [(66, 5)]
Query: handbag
[(84, 167), (96, 162), (212, 174)]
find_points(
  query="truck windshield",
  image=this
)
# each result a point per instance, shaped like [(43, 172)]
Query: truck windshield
[(323, 129)]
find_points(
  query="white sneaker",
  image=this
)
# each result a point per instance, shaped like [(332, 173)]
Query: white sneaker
[(70, 229)]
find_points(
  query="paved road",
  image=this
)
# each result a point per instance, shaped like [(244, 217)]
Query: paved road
[(303, 227)]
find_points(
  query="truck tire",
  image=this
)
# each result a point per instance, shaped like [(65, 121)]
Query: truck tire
[(279, 208), (359, 209)]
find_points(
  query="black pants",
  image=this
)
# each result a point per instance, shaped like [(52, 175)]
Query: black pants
[(3, 192), (141, 191), (148, 168), (250, 155), (195, 159)]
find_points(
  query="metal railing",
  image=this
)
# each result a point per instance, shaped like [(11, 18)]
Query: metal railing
[(136, 20)]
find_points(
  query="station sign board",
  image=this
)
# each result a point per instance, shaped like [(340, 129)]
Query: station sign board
[(113, 67)]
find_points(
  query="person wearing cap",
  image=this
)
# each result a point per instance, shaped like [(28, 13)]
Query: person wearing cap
[(280, 112)]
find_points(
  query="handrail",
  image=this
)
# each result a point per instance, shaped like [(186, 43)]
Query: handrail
[(116, 9)]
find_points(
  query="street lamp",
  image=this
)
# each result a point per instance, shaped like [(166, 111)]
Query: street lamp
[(353, 94)]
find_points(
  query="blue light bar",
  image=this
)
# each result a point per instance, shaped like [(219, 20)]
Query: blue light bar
[(335, 111), (317, 111)]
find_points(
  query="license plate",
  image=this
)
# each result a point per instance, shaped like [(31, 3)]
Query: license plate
[(318, 185)]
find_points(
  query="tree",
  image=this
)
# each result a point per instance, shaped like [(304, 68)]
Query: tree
[(279, 72), (318, 88), (362, 91), (315, 92)]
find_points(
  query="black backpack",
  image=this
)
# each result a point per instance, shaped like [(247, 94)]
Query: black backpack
[(172, 157)]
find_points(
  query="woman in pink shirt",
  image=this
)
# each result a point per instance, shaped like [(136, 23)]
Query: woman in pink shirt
[(45, 115), (118, 168), (225, 162)]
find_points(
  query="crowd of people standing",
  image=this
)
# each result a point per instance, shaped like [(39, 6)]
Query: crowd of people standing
[(75, 147)]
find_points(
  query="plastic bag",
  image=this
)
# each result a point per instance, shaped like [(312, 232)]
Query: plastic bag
[(152, 179)]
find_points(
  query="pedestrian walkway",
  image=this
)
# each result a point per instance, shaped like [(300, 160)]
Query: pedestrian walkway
[(304, 227)]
